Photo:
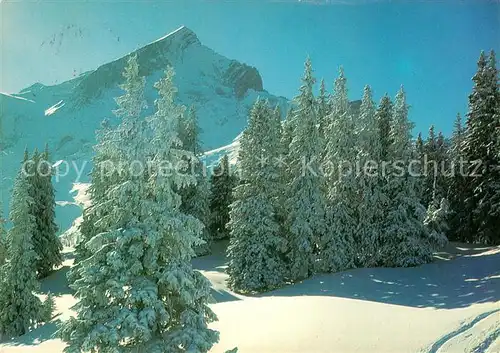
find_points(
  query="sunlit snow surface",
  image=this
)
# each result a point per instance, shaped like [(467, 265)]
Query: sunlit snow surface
[(449, 306), (54, 108)]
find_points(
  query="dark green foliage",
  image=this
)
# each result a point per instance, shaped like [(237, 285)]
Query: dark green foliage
[(482, 195), (222, 183), (384, 117), (49, 305), (45, 240), (21, 310), (195, 198), (189, 131)]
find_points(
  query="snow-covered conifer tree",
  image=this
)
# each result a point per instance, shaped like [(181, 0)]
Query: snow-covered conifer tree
[(45, 240), (457, 185), (337, 244), (418, 168), (256, 247), (221, 197), (431, 167), (436, 222), (101, 175), (324, 108), (189, 131), (138, 291), (48, 308), (384, 116), (195, 198), (21, 308), (483, 201), (3, 239), (373, 202), (405, 241), (107, 162), (305, 204)]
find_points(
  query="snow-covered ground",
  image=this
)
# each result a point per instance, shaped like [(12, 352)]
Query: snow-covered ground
[(449, 306)]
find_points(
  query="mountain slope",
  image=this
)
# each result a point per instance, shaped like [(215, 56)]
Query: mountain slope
[(66, 115)]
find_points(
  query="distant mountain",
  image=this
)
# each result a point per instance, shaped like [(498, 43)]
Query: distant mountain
[(66, 115)]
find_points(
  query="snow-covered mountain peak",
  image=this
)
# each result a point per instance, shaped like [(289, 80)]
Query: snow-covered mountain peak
[(66, 115)]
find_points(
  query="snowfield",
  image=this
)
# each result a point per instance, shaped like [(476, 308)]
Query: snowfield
[(449, 306)]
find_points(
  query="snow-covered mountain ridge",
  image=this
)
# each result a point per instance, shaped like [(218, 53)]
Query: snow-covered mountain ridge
[(66, 115)]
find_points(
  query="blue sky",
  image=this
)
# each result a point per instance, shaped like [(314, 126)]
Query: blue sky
[(430, 47)]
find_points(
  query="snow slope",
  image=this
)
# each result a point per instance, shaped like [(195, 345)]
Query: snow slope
[(450, 306), (66, 115)]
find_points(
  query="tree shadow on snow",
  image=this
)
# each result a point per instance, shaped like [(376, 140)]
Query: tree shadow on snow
[(467, 280), (215, 261), (37, 336), (213, 266), (56, 283)]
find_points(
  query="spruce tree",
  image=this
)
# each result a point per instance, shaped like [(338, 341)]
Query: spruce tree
[(21, 310), (418, 169), (189, 131), (47, 244), (305, 204), (3, 240), (457, 184), (138, 291), (337, 250), (483, 196), (48, 308), (431, 167), (195, 198), (384, 116), (436, 221), (324, 109), (101, 176), (443, 162), (372, 202), (405, 241), (487, 192), (256, 247), (107, 169), (221, 196)]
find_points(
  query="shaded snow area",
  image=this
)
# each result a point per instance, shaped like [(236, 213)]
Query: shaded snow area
[(449, 306)]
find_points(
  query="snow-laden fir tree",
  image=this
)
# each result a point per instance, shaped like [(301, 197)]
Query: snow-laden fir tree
[(280, 158), (372, 201), (483, 199), (22, 310), (189, 131), (418, 167), (256, 247), (101, 176), (107, 166), (304, 205), (435, 150), (405, 241), (384, 117), (324, 108), (337, 245), (3, 239), (430, 167), (195, 198), (443, 146), (457, 183), (222, 182), (138, 291), (436, 221), (46, 243)]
